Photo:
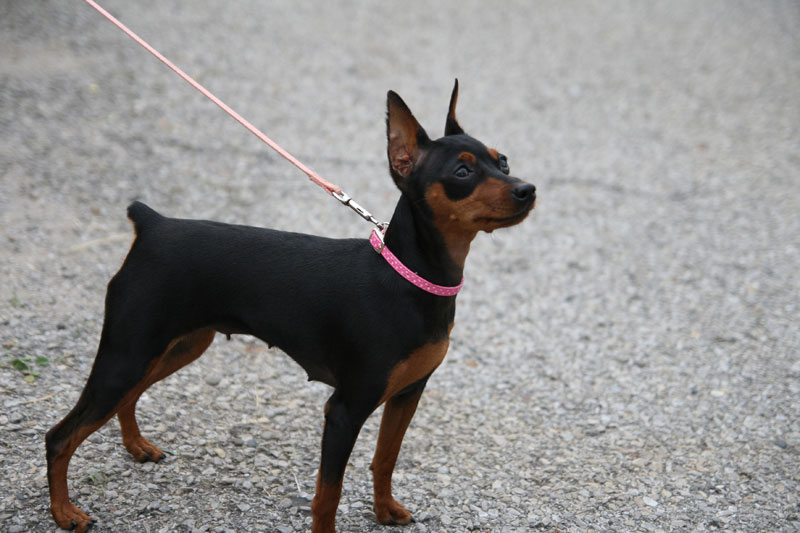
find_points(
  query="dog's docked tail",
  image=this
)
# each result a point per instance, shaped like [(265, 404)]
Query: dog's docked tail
[(142, 216)]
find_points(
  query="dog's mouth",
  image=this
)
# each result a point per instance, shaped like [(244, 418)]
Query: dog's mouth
[(516, 218)]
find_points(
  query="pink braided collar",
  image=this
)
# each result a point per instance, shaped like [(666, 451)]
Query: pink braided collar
[(376, 240)]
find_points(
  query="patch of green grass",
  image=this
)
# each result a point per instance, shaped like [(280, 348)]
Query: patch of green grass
[(98, 478), (28, 366)]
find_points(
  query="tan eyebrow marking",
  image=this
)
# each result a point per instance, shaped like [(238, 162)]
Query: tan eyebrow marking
[(468, 157), (494, 154)]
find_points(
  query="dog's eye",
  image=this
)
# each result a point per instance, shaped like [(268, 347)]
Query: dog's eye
[(462, 172), (504, 164)]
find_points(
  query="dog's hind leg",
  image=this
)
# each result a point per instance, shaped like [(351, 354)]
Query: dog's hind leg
[(61, 442), (129, 351), (98, 402), (180, 353)]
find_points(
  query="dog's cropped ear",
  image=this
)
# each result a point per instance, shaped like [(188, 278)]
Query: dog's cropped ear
[(406, 139), (451, 127)]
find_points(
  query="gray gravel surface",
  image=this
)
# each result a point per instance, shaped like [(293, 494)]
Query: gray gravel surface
[(625, 360)]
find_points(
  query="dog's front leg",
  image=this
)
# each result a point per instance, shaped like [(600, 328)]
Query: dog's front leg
[(397, 414), (343, 421)]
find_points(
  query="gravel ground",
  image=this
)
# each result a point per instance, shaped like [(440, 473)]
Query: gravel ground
[(625, 360)]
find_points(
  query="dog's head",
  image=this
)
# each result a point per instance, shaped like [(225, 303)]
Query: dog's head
[(462, 185)]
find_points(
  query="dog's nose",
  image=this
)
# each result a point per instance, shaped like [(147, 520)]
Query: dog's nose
[(523, 192)]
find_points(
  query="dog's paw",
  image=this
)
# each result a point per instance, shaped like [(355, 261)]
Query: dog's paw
[(143, 450), (71, 518), (391, 512)]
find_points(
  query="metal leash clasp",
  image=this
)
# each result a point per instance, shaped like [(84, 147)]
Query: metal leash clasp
[(347, 200)]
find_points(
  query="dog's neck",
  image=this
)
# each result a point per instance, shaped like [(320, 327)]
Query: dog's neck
[(414, 239)]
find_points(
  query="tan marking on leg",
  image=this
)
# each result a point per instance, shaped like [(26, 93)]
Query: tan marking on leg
[(179, 353), (63, 511), (397, 414), (140, 448), (324, 505)]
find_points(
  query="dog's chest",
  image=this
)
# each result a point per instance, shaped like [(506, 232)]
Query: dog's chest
[(419, 364)]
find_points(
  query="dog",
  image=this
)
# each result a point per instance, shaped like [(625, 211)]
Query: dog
[(372, 319)]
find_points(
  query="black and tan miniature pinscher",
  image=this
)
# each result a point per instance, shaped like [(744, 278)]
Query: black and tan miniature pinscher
[(336, 307)]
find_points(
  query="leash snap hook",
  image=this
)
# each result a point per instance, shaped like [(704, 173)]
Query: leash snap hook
[(348, 201)]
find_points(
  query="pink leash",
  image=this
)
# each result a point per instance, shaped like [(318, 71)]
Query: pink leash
[(376, 239), (328, 186)]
